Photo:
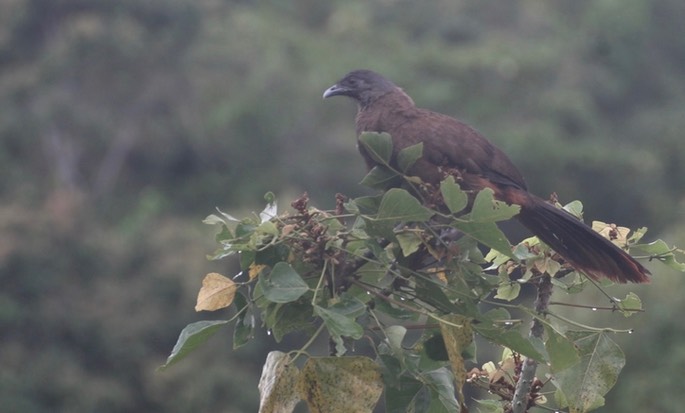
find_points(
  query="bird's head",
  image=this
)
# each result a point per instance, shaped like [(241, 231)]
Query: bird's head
[(364, 86)]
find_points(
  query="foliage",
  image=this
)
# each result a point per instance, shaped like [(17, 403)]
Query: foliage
[(121, 121), (377, 265)]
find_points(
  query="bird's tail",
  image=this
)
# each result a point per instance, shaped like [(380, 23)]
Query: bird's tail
[(585, 249)]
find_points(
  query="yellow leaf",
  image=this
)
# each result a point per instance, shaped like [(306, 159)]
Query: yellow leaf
[(617, 235), (457, 339), (217, 292), (440, 273), (506, 367), (491, 370), (254, 270)]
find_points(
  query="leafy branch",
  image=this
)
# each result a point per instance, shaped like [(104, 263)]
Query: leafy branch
[(377, 266)]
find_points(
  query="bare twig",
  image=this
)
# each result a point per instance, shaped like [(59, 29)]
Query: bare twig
[(522, 400)]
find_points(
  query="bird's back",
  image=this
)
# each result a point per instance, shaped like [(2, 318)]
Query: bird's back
[(447, 142)]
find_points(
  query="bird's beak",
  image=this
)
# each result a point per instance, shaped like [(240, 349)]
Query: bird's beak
[(335, 90)]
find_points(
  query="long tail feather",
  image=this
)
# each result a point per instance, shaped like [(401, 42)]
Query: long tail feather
[(580, 245)]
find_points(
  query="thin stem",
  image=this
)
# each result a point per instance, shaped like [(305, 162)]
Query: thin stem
[(418, 310), (611, 299), (318, 285), (304, 348), (370, 290), (594, 307), (586, 327)]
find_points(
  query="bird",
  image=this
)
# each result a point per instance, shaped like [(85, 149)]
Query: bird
[(450, 145)]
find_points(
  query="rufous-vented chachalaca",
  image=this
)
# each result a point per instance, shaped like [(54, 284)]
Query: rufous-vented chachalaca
[(450, 145)]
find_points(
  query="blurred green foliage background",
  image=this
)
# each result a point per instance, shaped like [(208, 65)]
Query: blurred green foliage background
[(124, 122)]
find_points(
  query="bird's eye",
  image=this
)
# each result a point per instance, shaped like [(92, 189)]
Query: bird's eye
[(353, 81)]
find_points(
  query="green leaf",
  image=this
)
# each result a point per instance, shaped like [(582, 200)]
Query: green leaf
[(349, 306), (398, 205), (270, 198), (513, 339), (377, 145), (486, 233), (402, 394), (399, 313), (339, 324), (487, 209), (283, 284), (489, 406), (496, 315), (582, 386), (394, 337), (268, 254), (660, 251), (213, 219), (434, 350), (244, 323), (428, 291), (380, 177), (192, 336), (224, 217), (379, 229), (575, 208), (224, 234), (562, 351), (409, 242), (220, 253), (364, 205), (496, 258), (271, 255), (267, 228), (391, 367), (629, 305), (244, 229), (247, 258), (290, 317), (440, 384), (455, 199), (408, 156), (637, 235), (508, 290)]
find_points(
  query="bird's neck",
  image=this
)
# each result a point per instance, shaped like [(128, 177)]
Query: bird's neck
[(375, 115), (394, 99)]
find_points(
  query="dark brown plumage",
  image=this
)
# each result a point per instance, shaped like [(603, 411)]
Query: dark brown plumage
[(449, 144)]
